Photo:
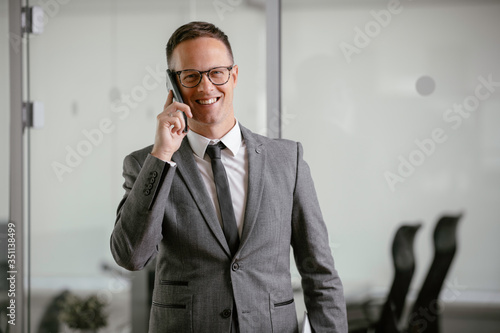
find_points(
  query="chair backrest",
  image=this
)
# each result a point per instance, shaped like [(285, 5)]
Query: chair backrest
[(404, 267), (424, 316)]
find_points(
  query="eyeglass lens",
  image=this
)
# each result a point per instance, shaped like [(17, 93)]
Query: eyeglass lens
[(191, 78)]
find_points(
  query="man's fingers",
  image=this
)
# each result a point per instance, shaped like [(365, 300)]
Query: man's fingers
[(173, 120), (170, 99), (175, 124), (187, 111), (173, 109), (176, 107)]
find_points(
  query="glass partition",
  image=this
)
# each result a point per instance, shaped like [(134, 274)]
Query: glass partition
[(99, 70), (397, 105)]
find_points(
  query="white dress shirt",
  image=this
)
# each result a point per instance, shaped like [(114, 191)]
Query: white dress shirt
[(235, 161)]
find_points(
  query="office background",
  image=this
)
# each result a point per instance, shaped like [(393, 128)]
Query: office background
[(397, 104)]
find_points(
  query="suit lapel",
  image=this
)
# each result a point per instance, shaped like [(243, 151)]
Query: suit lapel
[(256, 168), (188, 170)]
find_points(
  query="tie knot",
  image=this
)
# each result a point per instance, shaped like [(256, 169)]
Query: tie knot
[(214, 150)]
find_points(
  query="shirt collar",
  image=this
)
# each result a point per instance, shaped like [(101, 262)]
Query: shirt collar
[(232, 140)]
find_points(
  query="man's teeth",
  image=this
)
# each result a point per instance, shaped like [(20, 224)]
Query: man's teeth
[(207, 101)]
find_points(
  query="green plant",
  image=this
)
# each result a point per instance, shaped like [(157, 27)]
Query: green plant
[(83, 312)]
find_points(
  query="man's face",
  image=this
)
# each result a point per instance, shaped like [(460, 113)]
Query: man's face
[(211, 105)]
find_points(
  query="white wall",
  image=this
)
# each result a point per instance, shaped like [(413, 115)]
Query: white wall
[(356, 115)]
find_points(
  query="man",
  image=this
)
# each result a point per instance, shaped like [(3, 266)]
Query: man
[(218, 271)]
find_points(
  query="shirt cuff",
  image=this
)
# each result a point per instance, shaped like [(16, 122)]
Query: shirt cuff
[(172, 164)]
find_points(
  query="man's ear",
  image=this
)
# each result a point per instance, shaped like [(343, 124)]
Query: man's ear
[(234, 75)]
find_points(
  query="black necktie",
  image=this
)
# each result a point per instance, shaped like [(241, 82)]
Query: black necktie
[(224, 195)]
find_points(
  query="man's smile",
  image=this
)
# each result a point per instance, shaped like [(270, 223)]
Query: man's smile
[(207, 101)]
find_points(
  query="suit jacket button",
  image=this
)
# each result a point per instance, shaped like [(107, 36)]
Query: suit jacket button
[(226, 313), (150, 186), (235, 266), (154, 174), (147, 192), (152, 180)]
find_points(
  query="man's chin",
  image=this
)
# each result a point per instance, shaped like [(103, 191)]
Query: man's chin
[(207, 115)]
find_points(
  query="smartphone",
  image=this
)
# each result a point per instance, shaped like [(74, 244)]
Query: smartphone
[(172, 85)]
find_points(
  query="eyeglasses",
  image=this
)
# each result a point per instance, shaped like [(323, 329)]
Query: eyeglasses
[(219, 76)]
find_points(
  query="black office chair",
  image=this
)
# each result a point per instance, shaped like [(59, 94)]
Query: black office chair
[(424, 317), (404, 267)]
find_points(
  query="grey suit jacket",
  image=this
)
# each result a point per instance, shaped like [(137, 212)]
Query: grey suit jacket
[(166, 213)]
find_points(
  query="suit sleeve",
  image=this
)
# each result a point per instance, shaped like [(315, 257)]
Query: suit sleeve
[(138, 227), (323, 291)]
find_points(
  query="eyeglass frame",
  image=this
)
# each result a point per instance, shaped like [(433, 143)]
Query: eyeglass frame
[(229, 68)]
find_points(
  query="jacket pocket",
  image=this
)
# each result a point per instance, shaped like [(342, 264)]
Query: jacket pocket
[(276, 305), (171, 313), (174, 283), (283, 313), (170, 306)]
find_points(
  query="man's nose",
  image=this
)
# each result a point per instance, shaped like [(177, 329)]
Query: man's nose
[(205, 84)]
